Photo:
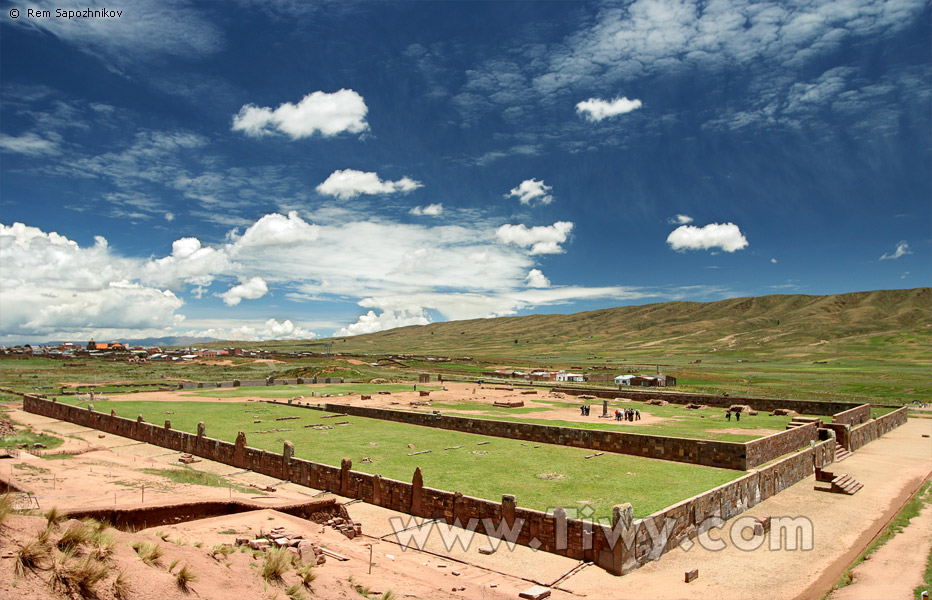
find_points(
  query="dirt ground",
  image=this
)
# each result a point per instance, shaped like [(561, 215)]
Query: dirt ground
[(454, 392), (894, 570), (107, 474)]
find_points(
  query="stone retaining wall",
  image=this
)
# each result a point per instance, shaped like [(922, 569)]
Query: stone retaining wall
[(620, 546), (725, 455), (855, 416), (807, 407), (870, 431)]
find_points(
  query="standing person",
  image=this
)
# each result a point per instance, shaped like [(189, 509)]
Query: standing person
[(738, 416), (637, 415), (728, 415)]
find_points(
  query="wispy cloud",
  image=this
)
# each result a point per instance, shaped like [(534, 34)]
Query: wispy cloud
[(145, 30), (29, 144), (431, 210), (680, 220), (902, 248)]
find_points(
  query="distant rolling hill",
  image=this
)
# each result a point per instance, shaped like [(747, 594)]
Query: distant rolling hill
[(884, 324)]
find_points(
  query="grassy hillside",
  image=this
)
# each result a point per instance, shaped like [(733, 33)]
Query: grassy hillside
[(883, 325)]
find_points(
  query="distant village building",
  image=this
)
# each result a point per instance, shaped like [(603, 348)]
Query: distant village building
[(659, 380)]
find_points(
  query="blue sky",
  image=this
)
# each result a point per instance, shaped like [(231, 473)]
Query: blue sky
[(272, 170)]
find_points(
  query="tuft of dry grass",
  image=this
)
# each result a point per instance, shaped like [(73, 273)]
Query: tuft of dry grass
[(184, 578), (149, 552), (223, 550), (53, 517), (6, 506), (307, 575), (295, 593), (76, 534), (276, 564), (74, 576), (120, 586), (29, 556)]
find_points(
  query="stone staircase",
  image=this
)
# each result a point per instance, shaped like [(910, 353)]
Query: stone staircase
[(840, 452), (800, 421), (838, 484)]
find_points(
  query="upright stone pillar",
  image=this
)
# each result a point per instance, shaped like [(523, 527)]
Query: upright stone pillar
[(417, 485), (377, 490), (239, 451), (345, 466), (287, 455), (559, 528), (605, 408), (508, 509)]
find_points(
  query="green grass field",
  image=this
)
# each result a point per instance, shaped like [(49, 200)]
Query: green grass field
[(542, 476)]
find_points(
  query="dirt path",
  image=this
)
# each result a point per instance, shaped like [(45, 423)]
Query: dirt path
[(894, 570), (891, 468)]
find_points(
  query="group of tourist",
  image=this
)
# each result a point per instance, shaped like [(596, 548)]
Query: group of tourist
[(728, 415), (584, 410), (628, 414)]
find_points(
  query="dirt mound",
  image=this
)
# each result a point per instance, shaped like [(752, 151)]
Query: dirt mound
[(740, 408), (694, 406), (658, 402)]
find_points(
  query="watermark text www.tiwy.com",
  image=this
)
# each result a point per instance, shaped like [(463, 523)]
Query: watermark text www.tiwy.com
[(788, 534)]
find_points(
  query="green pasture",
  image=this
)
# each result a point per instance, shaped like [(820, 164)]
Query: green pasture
[(292, 391), (542, 476)]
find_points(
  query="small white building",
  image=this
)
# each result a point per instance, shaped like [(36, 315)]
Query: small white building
[(624, 379), (564, 376)]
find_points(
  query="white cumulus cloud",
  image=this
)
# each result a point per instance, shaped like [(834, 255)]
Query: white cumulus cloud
[(726, 236), (531, 190), (541, 239), (250, 290), (318, 112), (536, 279), (270, 330), (431, 210), (902, 248), (51, 285), (596, 109), (389, 319), (350, 183)]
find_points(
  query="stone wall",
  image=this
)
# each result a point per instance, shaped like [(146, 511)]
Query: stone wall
[(854, 416), (726, 455), (870, 431), (768, 448), (196, 385), (807, 407), (619, 546)]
